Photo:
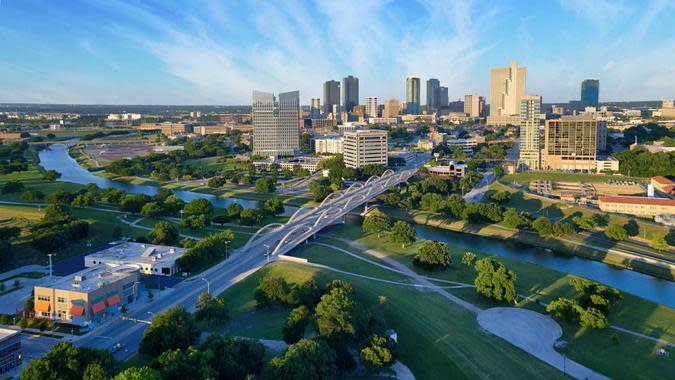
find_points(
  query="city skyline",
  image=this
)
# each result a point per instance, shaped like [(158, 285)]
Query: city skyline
[(201, 54)]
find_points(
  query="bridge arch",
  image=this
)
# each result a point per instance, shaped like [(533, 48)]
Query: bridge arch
[(260, 231), (373, 178), (323, 215), (292, 231), (303, 209), (339, 194), (359, 184), (386, 173)]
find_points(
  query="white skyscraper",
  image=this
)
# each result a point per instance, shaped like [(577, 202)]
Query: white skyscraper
[(371, 106), (530, 133), (276, 129), (507, 88)]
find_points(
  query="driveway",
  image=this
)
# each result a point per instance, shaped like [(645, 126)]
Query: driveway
[(534, 333)]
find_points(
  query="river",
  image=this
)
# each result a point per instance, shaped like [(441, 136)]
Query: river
[(56, 157), (645, 286)]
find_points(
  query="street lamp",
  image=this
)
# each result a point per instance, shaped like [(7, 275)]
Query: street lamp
[(226, 243), (268, 253), (208, 285), (151, 314)]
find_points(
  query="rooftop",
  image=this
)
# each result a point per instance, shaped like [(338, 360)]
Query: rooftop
[(6, 333), (638, 200), (663, 180), (137, 253), (92, 278)]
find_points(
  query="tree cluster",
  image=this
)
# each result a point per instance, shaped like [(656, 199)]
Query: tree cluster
[(495, 280), (205, 252), (589, 307)]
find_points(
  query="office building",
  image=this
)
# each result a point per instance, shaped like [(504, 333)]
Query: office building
[(91, 294), (668, 109), (440, 98), (590, 93), (638, 206), (412, 96), (530, 131), (474, 105), (371, 106), (365, 147), (507, 87), (315, 108), (390, 108), (276, 129), (432, 85), (150, 258), (328, 145), (331, 95), (571, 143), (350, 92), (10, 350)]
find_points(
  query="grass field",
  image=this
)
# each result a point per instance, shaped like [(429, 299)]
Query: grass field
[(217, 164), (436, 339), (631, 358), (568, 177)]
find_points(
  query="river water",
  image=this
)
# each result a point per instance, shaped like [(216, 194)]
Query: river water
[(648, 287)]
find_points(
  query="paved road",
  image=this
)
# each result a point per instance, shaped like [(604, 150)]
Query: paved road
[(477, 193)]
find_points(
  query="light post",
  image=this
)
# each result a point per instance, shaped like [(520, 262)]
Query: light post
[(181, 214), (151, 314), (268, 253), (226, 243), (50, 264), (208, 285)]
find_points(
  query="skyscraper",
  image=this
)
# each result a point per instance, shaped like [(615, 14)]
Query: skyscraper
[(530, 122), (315, 108), (412, 96), (331, 95), (276, 131), (440, 98), (474, 105), (350, 92), (590, 93), (432, 85), (371, 106), (390, 108), (507, 87)]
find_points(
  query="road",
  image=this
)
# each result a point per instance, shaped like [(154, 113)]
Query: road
[(278, 240), (477, 193)]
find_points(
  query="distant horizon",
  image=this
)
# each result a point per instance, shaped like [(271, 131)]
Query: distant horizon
[(215, 52)]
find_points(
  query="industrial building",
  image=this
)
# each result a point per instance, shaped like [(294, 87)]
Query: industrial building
[(149, 258)]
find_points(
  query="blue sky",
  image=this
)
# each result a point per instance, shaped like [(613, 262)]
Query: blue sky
[(217, 52)]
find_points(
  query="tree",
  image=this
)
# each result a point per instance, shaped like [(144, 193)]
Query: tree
[(172, 205), (51, 175), (616, 232), (307, 359), (295, 325), (320, 188), (542, 225), (32, 195), (585, 223), (95, 371), (272, 291), (378, 354), (564, 308), (59, 197), (265, 185), (183, 364), (250, 217), (402, 233), (336, 313), (199, 206), (164, 233), (273, 206), (516, 220), (56, 214), (174, 328), (138, 373), (468, 258), (593, 318), (151, 209), (233, 358), (501, 196), (495, 281), (376, 222), (211, 310), (498, 171), (12, 187), (305, 143), (64, 361), (659, 243), (194, 222), (234, 209), (433, 255), (134, 202)]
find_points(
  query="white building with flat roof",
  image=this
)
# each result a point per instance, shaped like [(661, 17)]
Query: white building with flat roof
[(328, 145), (365, 147), (150, 258)]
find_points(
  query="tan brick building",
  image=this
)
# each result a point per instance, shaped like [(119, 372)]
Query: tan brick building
[(638, 206)]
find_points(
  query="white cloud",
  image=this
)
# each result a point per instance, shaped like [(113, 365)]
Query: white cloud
[(88, 47)]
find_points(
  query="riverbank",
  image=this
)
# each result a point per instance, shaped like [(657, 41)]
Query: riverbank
[(608, 256)]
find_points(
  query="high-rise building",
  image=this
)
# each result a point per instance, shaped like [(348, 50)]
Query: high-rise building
[(365, 147), (507, 87), (331, 95), (276, 130), (440, 98), (432, 85), (474, 105), (371, 106), (590, 93), (572, 143), (315, 108), (350, 92), (412, 96), (530, 125), (390, 108)]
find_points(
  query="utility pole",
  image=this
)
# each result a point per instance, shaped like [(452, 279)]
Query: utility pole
[(208, 285), (268, 253), (50, 264)]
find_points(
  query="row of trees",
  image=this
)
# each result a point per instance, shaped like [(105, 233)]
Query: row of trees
[(12, 157)]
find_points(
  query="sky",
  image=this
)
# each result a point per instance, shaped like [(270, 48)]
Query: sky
[(218, 51)]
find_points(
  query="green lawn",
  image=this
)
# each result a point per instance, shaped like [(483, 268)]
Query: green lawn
[(568, 177), (216, 164), (436, 339)]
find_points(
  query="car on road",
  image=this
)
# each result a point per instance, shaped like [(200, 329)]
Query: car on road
[(116, 347)]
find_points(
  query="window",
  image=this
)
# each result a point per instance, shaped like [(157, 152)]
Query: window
[(60, 299), (43, 298)]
